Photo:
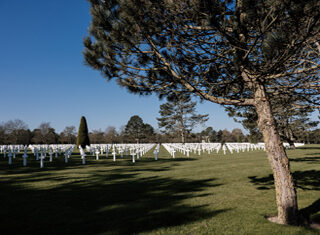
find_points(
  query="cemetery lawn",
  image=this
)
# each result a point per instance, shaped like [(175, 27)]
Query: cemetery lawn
[(216, 194)]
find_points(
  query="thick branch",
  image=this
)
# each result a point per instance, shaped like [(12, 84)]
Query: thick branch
[(307, 70), (193, 89)]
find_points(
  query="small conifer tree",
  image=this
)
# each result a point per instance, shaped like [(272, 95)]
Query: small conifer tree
[(83, 137), (179, 114)]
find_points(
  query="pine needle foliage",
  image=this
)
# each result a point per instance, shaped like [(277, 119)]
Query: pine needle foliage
[(136, 130), (178, 114), (293, 118), (205, 46)]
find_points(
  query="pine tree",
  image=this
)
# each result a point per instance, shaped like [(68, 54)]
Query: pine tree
[(209, 134), (240, 53), (136, 130), (83, 136), (292, 119), (178, 114)]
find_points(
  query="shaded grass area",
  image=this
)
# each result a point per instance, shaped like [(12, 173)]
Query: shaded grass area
[(305, 180), (207, 194)]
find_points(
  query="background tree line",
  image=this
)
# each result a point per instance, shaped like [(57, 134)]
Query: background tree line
[(17, 132)]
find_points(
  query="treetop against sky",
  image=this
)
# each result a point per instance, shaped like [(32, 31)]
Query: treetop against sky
[(43, 77)]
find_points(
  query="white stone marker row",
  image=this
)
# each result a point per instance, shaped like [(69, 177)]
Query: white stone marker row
[(135, 150), (10, 151), (198, 148)]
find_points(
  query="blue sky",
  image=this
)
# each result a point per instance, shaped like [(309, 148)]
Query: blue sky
[(43, 77)]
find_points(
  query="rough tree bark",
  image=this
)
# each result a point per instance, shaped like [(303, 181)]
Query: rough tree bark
[(291, 139), (182, 137), (182, 130), (291, 144), (285, 190)]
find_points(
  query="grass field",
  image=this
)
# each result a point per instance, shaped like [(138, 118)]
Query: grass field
[(216, 194)]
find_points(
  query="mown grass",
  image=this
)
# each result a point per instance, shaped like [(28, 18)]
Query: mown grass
[(216, 194)]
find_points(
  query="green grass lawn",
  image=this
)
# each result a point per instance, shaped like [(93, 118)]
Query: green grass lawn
[(216, 194)]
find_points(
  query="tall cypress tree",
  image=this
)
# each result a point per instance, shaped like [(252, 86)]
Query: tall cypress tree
[(83, 136)]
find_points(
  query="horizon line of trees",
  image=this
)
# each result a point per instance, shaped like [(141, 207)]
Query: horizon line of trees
[(17, 132)]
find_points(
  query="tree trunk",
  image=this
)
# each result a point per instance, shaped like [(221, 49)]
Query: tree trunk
[(284, 185), (291, 139), (291, 144), (182, 130), (182, 136)]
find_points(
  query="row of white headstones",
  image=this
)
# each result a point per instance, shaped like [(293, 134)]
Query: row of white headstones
[(40, 151), (135, 150), (198, 148)]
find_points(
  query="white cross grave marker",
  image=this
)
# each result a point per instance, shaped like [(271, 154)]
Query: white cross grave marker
[(156, 152), (41, 160), (10, 157), (37, 153), (66, 157), (133, 158), (97, 154), (50, 152), (107, 152), (83, 155), (224, 149), (114, 154), (24, 156)]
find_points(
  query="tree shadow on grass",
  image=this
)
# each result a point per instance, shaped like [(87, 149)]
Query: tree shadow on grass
[(305, 180), (309, 147), (307, 159), (316, 218), (308, 211), (75, 162), (112, 202)]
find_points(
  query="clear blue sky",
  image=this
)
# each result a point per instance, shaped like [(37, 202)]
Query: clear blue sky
[(43, 77)]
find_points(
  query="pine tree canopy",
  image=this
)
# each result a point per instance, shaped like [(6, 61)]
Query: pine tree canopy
[(217, 50), (291, 114), (178, 114), (135, 130)]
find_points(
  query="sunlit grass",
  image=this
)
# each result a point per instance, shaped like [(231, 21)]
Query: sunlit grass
[(207, 194)]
